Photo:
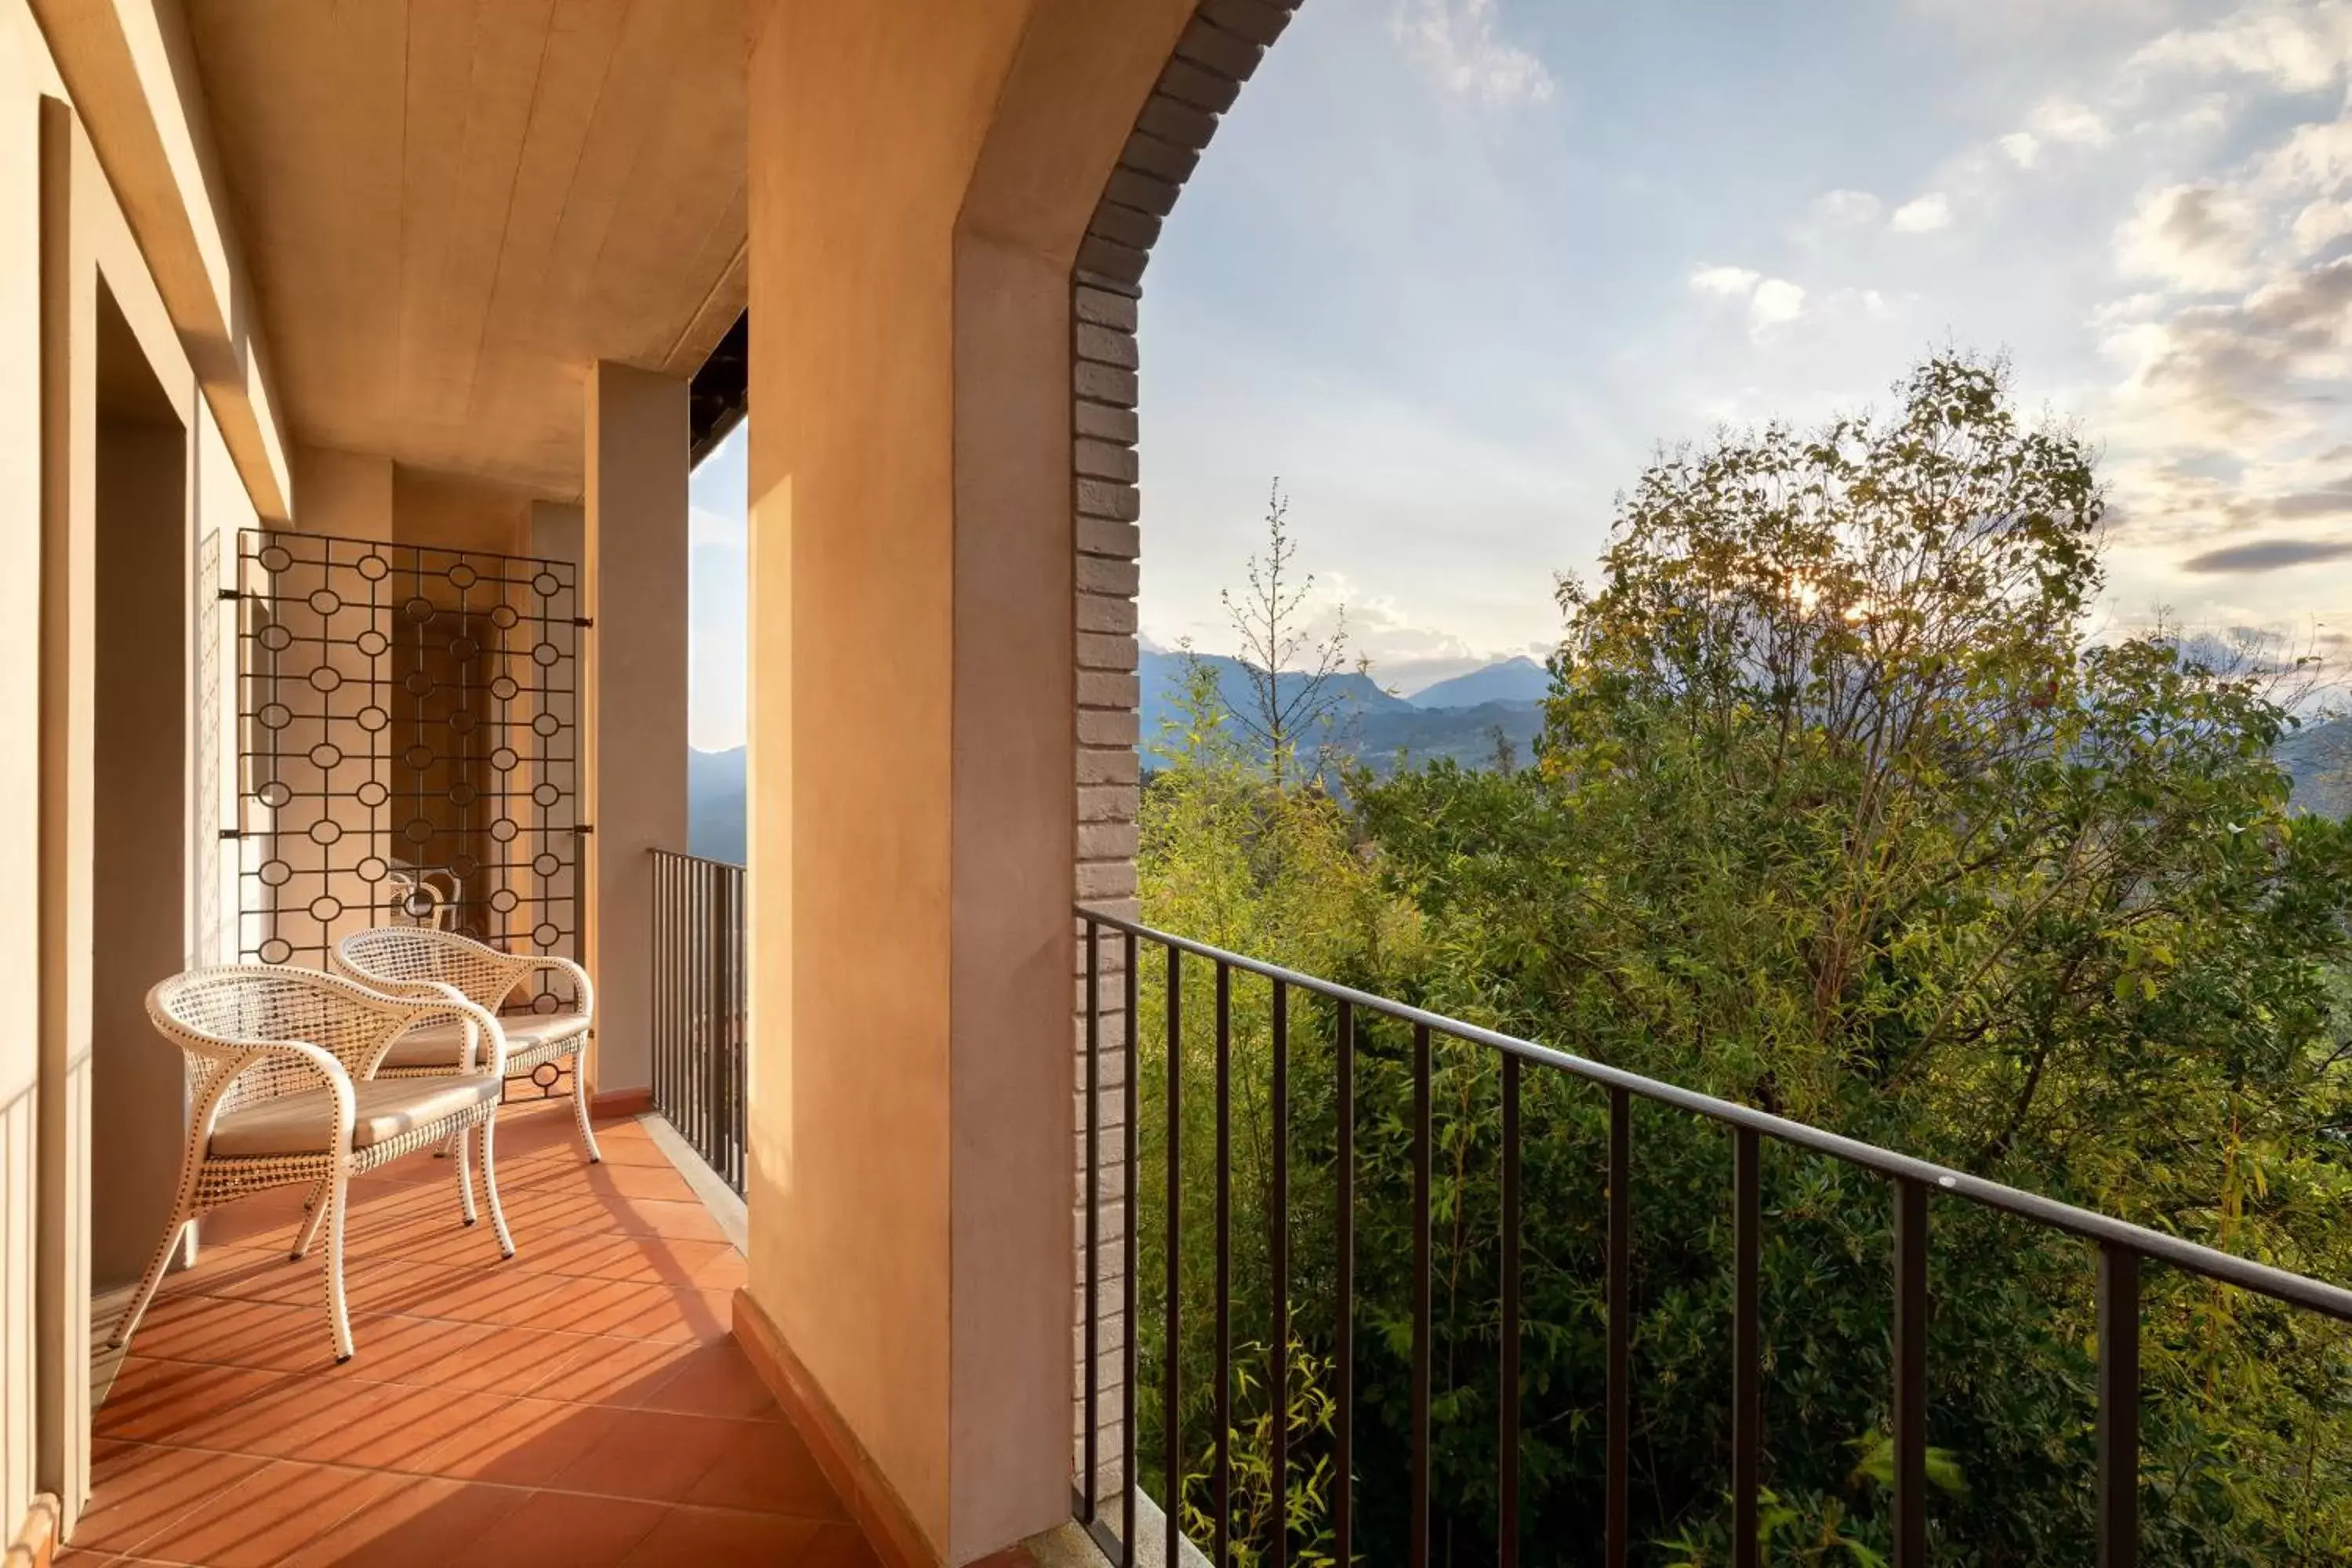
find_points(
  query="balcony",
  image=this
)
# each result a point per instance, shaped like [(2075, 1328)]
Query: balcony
[(583, 1403), (434, 288)]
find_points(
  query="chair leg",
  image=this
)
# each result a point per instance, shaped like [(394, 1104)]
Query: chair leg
[(148, 1283), (464, 1144), (580, 1105), (330, 1192), (338, 1310), (491, 1186)]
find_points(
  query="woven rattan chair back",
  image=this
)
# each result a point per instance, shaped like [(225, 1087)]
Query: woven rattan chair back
[(216, 1014), (412, 960), (249, 1034)]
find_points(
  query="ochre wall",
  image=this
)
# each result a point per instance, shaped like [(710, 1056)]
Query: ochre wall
[(920, 177), (634, 678), (25, 73), (62, 238), (141, 860), (347, 494), (129, 68), (451, 511)]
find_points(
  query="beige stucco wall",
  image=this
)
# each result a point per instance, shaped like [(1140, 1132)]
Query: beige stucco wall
[(920, 178), (57, 210), (22, 74), (141, 862), (634, 677), (346, 494), (454, 511), (129, 68)]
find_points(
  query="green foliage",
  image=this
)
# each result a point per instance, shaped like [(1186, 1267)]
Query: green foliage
[(1837, 813)]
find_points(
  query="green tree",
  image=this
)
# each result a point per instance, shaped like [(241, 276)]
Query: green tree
[(1289, 671), (1838, 811)]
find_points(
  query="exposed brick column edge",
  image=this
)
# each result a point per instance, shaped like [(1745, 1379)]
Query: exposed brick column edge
[(1220, 50)]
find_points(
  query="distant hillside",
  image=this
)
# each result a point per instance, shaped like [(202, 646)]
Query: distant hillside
[(1519, 680), (1163, 684), (2318, 758), (714, 804), (1370, 724), (1467, 735), (1379, 730)]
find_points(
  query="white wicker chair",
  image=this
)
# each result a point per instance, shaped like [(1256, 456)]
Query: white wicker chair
[(282, 1076), (407, 960)]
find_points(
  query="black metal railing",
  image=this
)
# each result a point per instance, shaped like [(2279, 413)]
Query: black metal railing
[(698, 1033), (2121, 1249)]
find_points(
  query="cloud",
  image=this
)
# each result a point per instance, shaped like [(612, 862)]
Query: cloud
[(2323, 221), (1927, 213), (1776, 302), (1771, 301), (2199, 238), (1732, 282), (2024, 149), (2062, 119), (1868, 302), (2294, 45), (2329, 501), (2268, 555), (1454, 41), (2219, 375), (1846, 208), (1403, 649)]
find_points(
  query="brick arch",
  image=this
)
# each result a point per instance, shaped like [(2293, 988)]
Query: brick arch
[(1218, 51)]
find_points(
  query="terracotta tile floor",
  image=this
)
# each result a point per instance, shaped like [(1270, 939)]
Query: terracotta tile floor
[(581, 1405)]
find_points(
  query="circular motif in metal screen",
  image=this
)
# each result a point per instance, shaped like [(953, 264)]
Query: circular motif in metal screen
[(408, 745)]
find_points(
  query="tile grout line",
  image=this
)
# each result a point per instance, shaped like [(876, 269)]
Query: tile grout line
[(526, 1489), (421, 1388)]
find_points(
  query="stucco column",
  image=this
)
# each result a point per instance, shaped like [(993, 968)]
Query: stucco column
[(920, 178), (633, 783)]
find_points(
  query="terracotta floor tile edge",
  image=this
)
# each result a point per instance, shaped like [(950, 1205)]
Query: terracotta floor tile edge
[(725, 1205), (610, 1104), (879, 1512)]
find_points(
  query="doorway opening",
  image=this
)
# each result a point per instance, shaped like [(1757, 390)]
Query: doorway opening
[(141, 912)]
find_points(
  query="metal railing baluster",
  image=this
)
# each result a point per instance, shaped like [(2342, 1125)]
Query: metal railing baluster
[(1278, 1260), (699, 1041), (1091, 1371), (2119, 1483), (1171, 1411), (1507, 1511), (1130, 1354), (1419, 1540), (2122, 1247), (1224, 1404), (1618, 1529), (1911, 1308), (1343, 1435), (1746, 1349)]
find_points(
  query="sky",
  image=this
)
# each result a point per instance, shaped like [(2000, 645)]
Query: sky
[(715, 647), (1456, 270)]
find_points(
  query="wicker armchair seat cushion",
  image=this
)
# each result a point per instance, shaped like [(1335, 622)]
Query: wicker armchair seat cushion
[(304, 1122), (444, 1045)]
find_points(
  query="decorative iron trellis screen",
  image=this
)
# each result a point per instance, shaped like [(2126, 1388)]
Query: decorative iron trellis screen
[(409, 745)]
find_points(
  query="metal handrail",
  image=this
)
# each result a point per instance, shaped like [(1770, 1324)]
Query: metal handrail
[(2301, 1291), (2122, 1247)]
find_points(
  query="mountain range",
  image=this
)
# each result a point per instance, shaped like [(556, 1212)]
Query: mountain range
[(1460, 718), (714, 804), (1520, 679)]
